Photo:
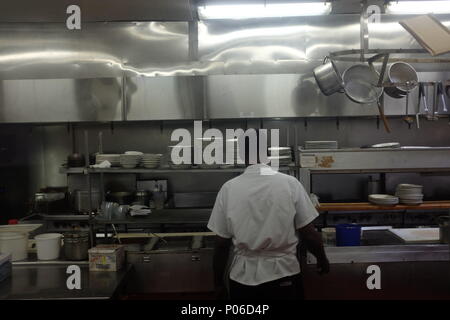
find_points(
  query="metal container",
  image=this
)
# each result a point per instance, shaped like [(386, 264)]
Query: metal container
[(328, 78), (81, 200), (76, 160), (76, 245), (404, 73), (142, 197), (444, 229), (374, 186)]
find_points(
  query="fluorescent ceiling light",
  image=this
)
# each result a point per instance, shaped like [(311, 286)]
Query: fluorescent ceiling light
[(246, 11), (419, 7)]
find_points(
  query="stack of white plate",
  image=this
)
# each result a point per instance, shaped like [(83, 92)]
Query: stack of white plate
[(283, 161), (136, 153), (130, 161), (321, 145), (114, 159), (151, 160), (410, 193), (383, 199)]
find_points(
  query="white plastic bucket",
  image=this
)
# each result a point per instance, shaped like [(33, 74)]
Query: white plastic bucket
[(14, 243), (48, 246)]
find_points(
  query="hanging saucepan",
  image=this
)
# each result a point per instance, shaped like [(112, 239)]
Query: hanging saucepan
[(404, 73), (328, 77), (360, 84)]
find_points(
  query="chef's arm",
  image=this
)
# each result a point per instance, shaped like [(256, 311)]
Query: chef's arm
[(221, 253), (313, 241)]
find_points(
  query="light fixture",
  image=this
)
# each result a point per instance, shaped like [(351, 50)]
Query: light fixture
[(271, 10), (418, 7)]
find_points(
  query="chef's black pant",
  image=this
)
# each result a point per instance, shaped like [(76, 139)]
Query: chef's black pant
[(287, 288)]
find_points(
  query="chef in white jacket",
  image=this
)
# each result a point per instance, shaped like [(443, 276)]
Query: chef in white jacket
[(263, 213)]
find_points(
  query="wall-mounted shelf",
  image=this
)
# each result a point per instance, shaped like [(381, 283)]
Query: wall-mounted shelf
[(366, 206)]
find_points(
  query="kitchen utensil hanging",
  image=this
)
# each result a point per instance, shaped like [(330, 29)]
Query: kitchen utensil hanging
[(361, 86), (441, 96), (423, 98), (401, 72), (408, 119), (328, 77)]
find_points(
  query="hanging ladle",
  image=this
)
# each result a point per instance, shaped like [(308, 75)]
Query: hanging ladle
[(408, 119)]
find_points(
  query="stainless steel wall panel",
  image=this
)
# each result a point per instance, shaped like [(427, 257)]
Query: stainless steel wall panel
[(164, 98), (263, 43), (288, 95), (50, 51), (61, 100)]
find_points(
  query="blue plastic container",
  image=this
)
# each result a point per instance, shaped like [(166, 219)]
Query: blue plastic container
[(348, 235)]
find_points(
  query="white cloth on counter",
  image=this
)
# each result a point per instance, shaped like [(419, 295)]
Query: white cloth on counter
[(103, 164), (261, 212), (139, 210)]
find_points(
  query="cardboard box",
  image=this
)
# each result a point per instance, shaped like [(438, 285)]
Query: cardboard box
[(429, 32), (106, 257)]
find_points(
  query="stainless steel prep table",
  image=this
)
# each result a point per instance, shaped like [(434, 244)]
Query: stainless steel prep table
[(407, 272), (37, 281)]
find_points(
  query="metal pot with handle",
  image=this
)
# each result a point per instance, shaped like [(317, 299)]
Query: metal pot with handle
[(328, 77)]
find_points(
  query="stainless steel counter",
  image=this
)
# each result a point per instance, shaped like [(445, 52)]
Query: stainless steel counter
[(405, 271), (48, 281), (392, 253)]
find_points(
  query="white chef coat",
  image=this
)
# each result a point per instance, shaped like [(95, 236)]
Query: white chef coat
[(260, 212)]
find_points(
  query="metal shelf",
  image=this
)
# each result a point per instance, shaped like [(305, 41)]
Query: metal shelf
[(65, 170), (165, 216), (113, 170)]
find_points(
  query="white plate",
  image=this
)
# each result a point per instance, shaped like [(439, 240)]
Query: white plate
[(410, 196), (383, 204), (382, 197), (135, 153), (411, 202), (409, 186)]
